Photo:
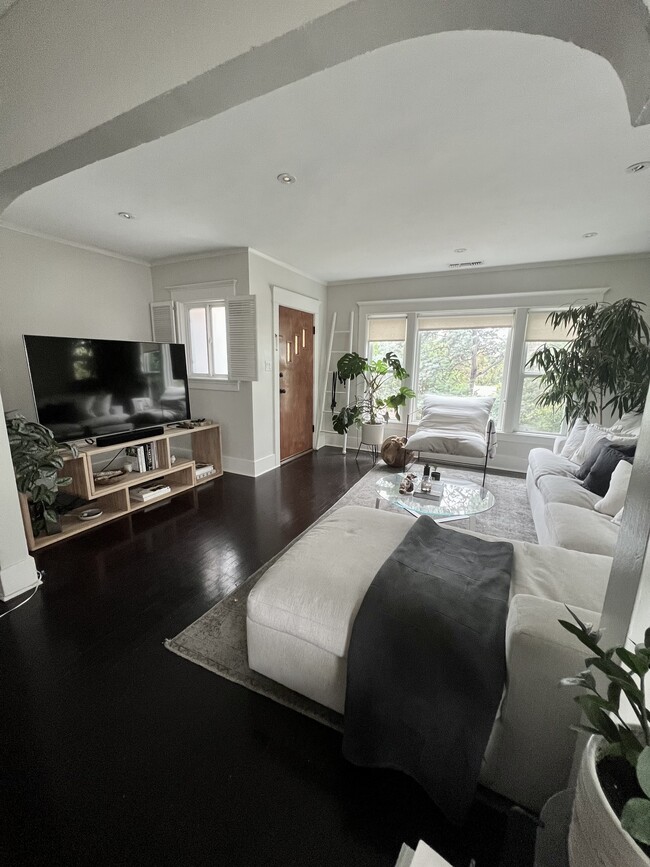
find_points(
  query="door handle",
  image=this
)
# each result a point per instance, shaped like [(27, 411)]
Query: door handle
[(283, 391)]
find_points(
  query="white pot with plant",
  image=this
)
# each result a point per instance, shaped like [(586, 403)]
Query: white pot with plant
[(610, 825), (369, 410)]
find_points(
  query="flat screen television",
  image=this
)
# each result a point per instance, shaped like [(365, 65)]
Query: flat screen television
[(87, 388)]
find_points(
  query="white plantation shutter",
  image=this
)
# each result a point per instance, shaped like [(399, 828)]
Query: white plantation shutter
[(242, 337), (163, 322)]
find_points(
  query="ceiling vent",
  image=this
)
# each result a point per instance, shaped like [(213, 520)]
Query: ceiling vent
[(466, 264)]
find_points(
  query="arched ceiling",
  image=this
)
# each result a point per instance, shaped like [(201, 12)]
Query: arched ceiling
[(511, 146), (618, 30)]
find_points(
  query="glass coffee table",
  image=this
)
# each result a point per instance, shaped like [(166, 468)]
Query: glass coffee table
[(460, 500)]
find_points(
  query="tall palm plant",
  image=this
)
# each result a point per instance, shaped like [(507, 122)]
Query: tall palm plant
[(604, 366)]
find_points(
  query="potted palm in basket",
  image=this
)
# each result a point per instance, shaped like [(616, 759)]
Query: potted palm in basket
[(610, 825)]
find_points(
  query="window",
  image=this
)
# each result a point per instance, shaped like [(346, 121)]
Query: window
[(463, 355), (532, 417), (387, 335), (206, 339)]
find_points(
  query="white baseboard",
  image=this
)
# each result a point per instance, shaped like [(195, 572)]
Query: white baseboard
[(245, 467), (18, 578)]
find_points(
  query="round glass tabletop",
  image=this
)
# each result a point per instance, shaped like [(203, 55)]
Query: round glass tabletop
[(459, 499)]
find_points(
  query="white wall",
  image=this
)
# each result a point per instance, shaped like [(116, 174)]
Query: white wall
[(48, 287), (264, 273), (624, 277), (69, 66), (233, 410)]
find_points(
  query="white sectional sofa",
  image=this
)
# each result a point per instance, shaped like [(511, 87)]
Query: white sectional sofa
[(300, 616), (563, 511)]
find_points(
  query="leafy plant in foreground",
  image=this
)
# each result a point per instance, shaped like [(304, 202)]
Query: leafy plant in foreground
[(626, 671)]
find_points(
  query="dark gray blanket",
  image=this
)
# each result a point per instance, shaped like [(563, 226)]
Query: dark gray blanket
[(426, 663)]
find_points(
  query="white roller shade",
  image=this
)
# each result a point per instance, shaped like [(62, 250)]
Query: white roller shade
[(242, 337), (387, 329), (541, 331), (469, 320)]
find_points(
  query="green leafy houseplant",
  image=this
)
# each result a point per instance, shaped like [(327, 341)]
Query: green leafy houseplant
[(605, 365), (37, 460), (627, 744), (370, 408)]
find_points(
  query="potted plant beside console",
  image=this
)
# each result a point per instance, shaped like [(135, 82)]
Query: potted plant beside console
[(610, 825), (37, 460), (370, 411)]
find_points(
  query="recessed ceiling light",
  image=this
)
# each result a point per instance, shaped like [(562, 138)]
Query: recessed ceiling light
[(460, 250), (286, 178), (635, 168), (125, 215), (590, 234)]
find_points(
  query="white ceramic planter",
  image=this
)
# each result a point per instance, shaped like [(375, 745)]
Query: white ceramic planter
[(596, 838), (372, 434)]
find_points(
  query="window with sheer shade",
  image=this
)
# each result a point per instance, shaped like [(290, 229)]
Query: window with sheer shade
[(532, 417), (387, 334), (463, 355)]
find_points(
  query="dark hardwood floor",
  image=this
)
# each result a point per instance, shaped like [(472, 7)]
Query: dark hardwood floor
[(115, 751)]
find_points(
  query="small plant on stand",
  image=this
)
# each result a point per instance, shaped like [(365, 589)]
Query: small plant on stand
[(369, 408)]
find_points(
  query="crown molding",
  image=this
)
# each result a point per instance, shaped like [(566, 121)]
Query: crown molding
[(193, 257), (556, 263), (21, 230), (288, 267)]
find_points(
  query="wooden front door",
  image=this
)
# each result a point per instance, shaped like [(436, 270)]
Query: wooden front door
[(296, 382)]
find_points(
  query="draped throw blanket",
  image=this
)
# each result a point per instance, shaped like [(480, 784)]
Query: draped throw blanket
[(426, 662)]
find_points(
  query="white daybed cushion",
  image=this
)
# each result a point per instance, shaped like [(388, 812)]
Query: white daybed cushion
[(453, 425), (614, 499), (575, 438), (580, 529)]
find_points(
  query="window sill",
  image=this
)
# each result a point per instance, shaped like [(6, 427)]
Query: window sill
[(213, 384)]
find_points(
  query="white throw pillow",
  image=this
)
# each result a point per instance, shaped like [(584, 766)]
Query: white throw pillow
[(575, 438), (629, 423), (593, 435), (614, 499), (449, 412), (618, 517)]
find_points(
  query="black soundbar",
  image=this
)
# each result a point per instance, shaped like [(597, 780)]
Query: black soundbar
[(129, 435)]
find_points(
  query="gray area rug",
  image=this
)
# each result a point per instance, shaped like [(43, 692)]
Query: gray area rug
[(217, 640)]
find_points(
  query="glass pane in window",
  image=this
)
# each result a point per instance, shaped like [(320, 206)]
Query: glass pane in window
[(377, 349), (534, 418), (198, 341), (533, 345), (463, 361), (219, 341)]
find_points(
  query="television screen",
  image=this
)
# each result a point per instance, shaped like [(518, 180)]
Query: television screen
[(88, 388)]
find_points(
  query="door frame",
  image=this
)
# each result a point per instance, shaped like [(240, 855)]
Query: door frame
[(286, 298)]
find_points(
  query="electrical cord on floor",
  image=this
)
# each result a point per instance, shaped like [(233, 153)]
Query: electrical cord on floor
[(33, 593)]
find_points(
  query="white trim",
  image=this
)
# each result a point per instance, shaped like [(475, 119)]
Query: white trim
[(87, 247), (18, 578), (206, 254), (520, 266), (507, 301), (288, 267), (286, 298), (246, 467), (213, 384)]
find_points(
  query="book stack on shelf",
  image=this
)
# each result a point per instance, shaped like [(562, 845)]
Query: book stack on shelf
[(204, 470), (145, 457), (151, 491)]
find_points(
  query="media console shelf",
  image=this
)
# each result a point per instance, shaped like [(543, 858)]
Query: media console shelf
[(178, 451)]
